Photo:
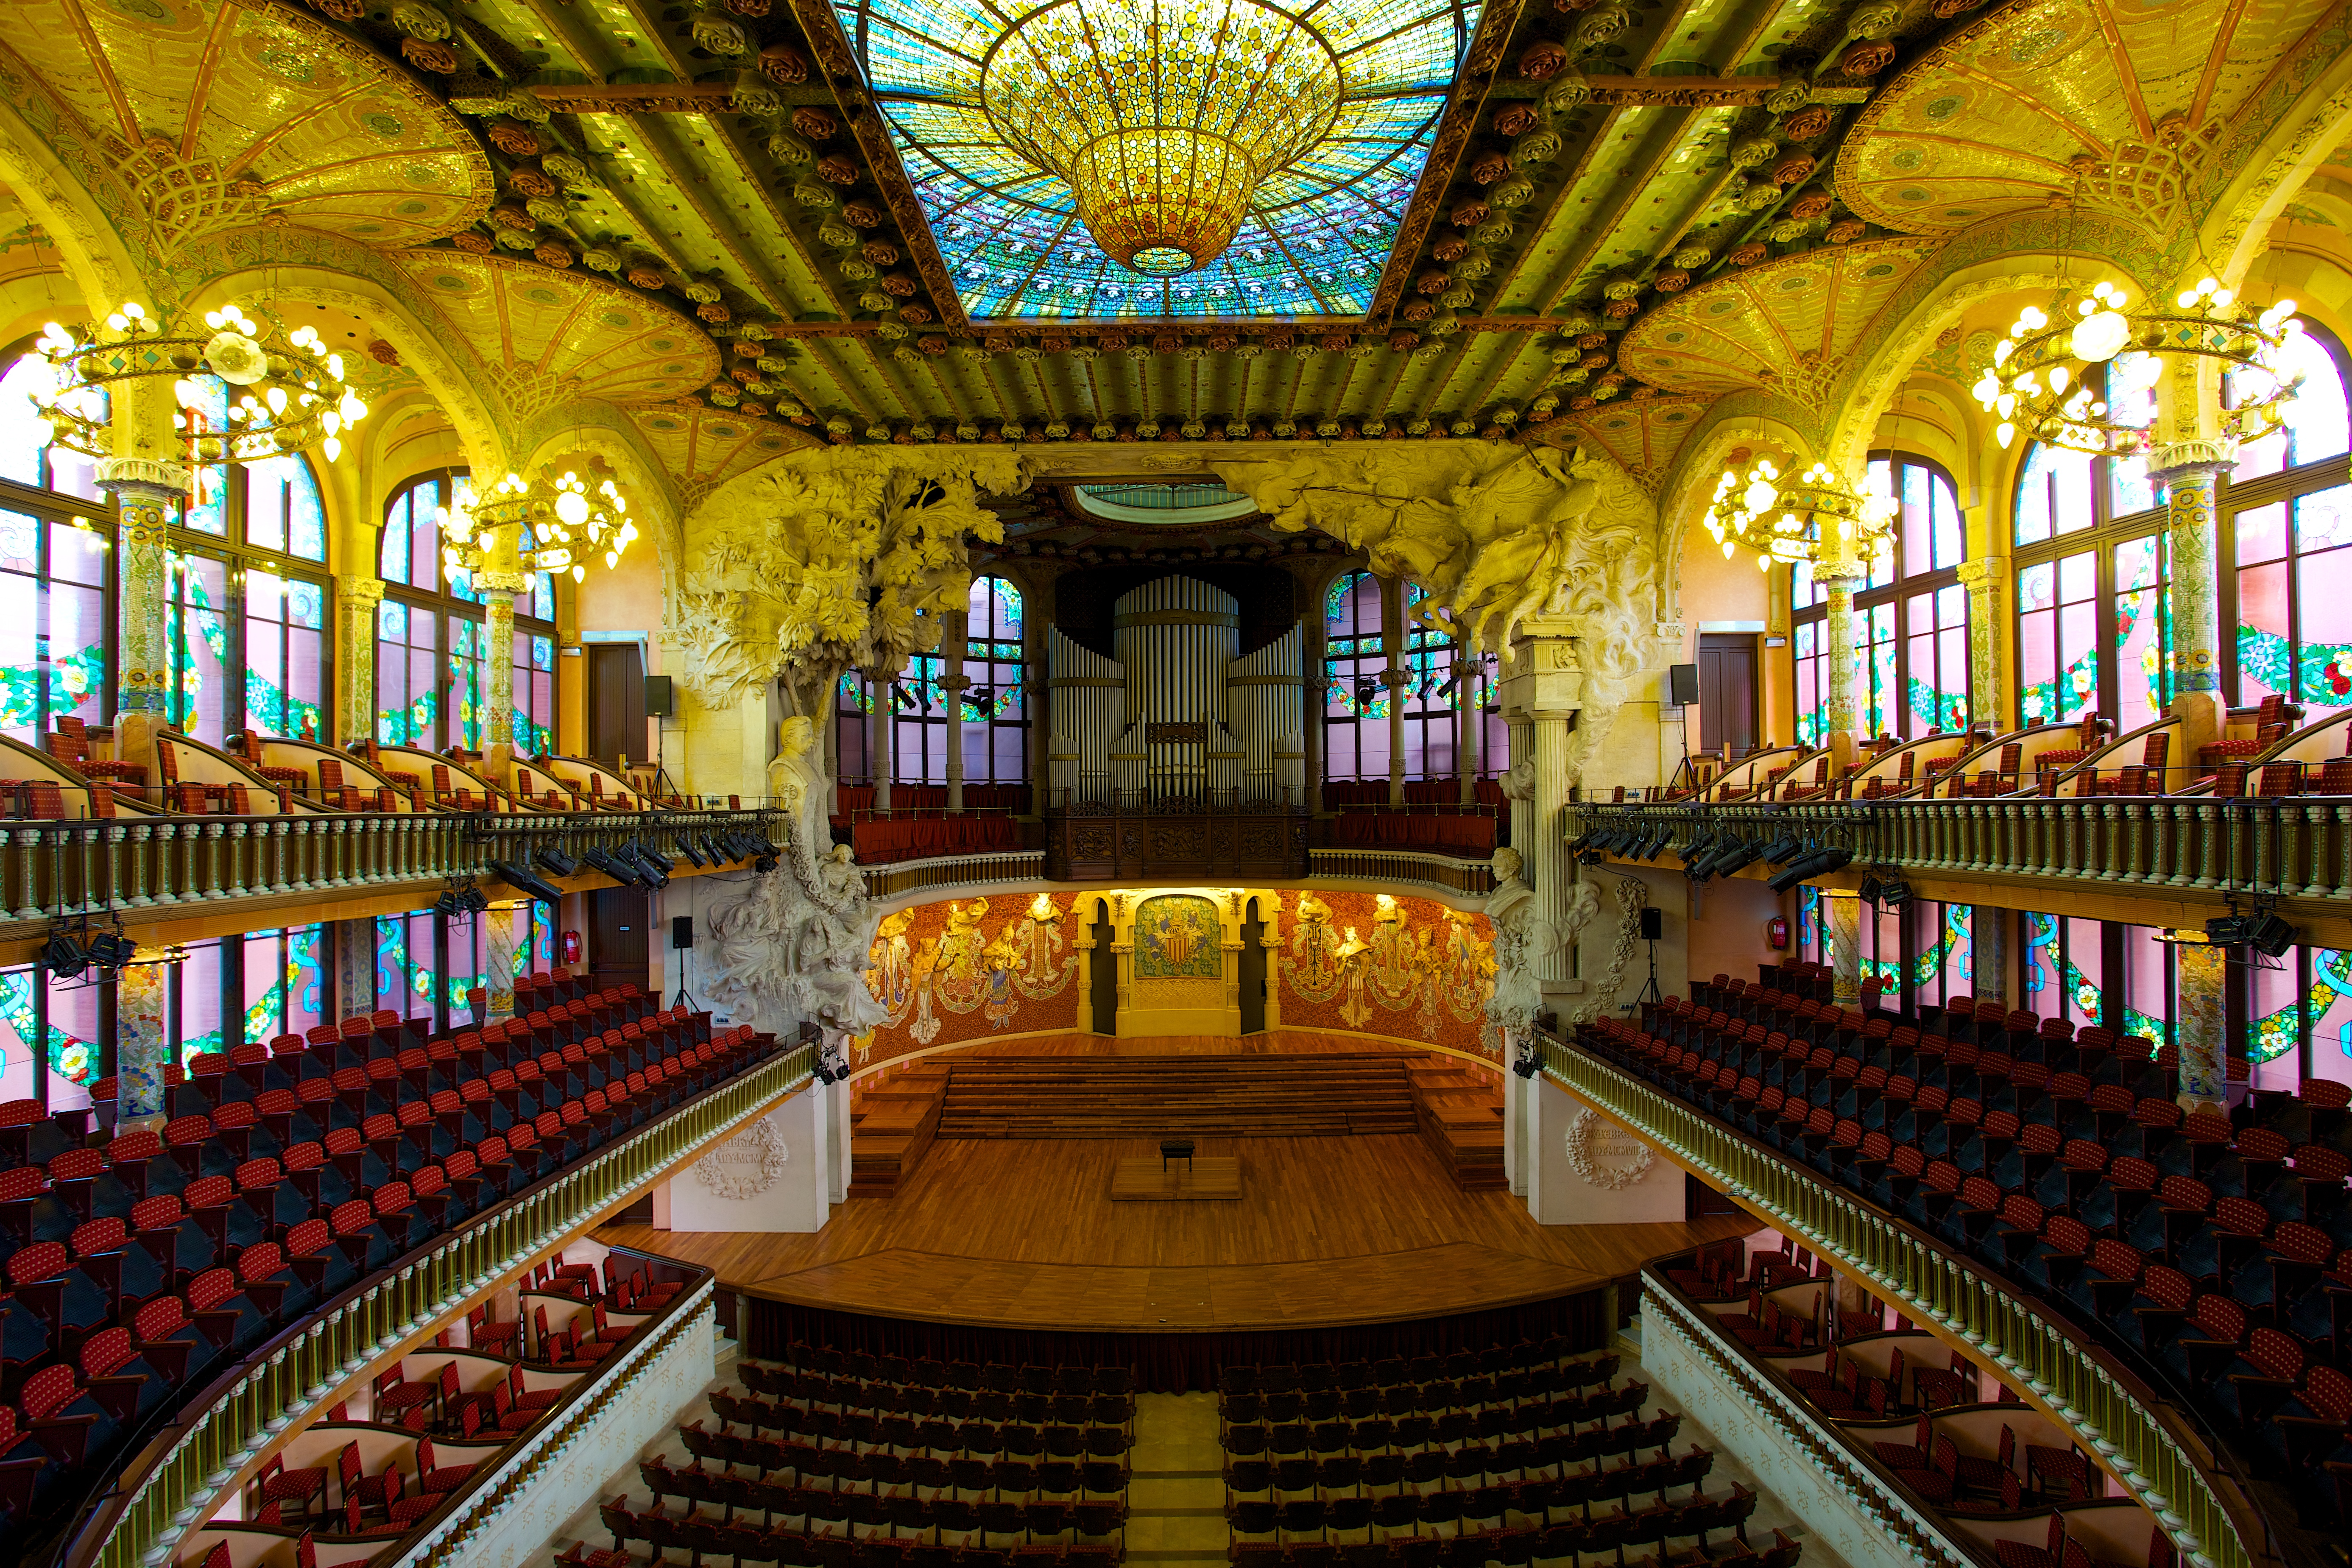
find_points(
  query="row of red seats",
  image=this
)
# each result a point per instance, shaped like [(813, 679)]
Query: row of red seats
[(136, 1268), (850, 801), (1460, 835), (2217, 1248), (895, 838)]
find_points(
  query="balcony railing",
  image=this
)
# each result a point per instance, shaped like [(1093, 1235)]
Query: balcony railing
[(1444, 873), (178, 1477), (2292, 847), (132, 866), (2138, 1438)]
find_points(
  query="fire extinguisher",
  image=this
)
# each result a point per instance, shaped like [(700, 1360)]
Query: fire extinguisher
[(571, 946), (1776, 932)]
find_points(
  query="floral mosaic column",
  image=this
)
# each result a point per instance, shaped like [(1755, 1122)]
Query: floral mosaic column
[(356, 601), (142, 1049), (2199, 966), (1842, 915), (1988, 694), (499, 945), (1840, 737), (144, 491), (2188, 468), (498, 590)]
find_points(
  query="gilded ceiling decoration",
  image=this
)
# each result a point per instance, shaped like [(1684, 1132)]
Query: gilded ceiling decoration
[(221, 113), (703, 447), (968, 90), (552, 336), (1788, 327), (2108, 104)]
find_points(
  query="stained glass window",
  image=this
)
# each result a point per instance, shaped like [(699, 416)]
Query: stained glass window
[(2315, 421), (2063, 967), (534, 693), (2058, 639), (1318, 231), (54, 648), (432, 680), (2292, 552), (196, 623), (992, 719), (1812, 682)]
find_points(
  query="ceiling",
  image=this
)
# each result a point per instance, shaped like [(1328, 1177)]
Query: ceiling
[(750, 224)]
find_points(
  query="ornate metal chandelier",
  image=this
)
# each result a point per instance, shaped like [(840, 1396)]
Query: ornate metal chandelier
[(1163, 117), (285, 390), (560, 521), (1822, 517), (2041, 378)]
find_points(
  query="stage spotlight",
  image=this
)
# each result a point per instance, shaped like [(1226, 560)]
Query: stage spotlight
[(112, 950), (1819, 863), (621, 871), (2265, 932), (447, 904), (1894, 892), (646, 855), (693, 855), (1526, 1067), (472, 900), (1868, 891), (529, 883), (62, 956), (1783, 849), (556, 863)]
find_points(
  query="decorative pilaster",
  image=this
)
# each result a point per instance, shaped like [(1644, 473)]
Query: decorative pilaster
[(144, 491), (498, 588), (1989, 954), (356, 602), (142, 1049), (1984, 577), (1545, 852), (2199, 966), (1841, 918), (355, 944)]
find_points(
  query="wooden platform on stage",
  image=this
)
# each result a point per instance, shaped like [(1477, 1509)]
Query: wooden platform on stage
[(1025, 1235), (1209, 1176)]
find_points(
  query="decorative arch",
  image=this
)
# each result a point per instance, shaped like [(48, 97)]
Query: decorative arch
[(1742, 419), (64, 201), (602, 430), (2270, 157)]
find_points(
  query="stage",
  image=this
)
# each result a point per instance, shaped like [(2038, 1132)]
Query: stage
[(1323, 1232)]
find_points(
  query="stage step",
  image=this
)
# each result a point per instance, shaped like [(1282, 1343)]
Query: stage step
[(1322, 1095), (1459, 1109), (891, 1124)]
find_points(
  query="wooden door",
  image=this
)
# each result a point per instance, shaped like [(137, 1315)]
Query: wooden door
[(1726, 694), (1253, 972), (618, 953), (1103, 978), (616, 702)]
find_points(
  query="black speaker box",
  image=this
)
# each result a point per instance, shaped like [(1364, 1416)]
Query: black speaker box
[(659, 701), (681, 930), (1653, 924), (1682, 682)]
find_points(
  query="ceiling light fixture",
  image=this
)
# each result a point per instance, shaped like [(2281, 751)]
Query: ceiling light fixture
[(1163, 117), (559, 519), (2040, 379), (279, 391), (1819, 518)]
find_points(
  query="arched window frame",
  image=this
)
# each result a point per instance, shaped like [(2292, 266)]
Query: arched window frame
[(1355, 658), (2261, 536), (57, 600), (455, 651), (1910, 616), (992, 720)]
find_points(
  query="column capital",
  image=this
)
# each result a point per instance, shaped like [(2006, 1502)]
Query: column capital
[(1981, 572), (145, 479), (2178, 459), (956, 680), (359, 590)]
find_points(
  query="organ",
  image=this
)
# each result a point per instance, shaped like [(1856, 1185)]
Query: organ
[(1179, 715)]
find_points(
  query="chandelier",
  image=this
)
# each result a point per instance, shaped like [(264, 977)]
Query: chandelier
[(2041, 378), (1163, 117), (1820, 518), (560, 521), (281, 390)]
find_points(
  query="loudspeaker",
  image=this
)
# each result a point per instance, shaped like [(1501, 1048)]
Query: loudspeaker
[(681, 930), (1653, 924), (659, 703), (1682, 683)]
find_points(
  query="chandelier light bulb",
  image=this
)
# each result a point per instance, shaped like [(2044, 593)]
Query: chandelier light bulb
[(571, 507), (332, 446)]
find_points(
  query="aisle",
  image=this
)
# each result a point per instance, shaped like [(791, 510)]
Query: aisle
[(1176, 1496)]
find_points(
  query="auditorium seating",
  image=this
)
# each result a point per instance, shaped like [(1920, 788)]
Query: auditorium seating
[(879, 841), (1342, 795), (2213, 1248), (851, 802), (140, 1267), (1451, 835), (1423, 1454), (1015, 1464)]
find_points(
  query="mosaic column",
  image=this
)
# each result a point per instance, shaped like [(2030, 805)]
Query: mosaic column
[(355, 966), (144, 491), (954, 641), (2199, 966), (2188, 469), (1839, 738), (498, 588), (1989, 954), (142, 1049), (500, 945), (1988, 695), (1842, 918), (356, 601)]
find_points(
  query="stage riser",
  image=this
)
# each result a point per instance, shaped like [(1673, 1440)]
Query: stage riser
[(1191, 1095)]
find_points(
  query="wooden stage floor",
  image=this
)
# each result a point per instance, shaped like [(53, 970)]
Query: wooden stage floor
[(1326, 1232)]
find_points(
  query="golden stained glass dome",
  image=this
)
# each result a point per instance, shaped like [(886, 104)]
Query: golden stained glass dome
[(1163, 117)]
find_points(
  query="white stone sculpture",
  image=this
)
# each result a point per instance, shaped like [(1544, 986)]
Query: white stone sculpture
[(1513, 911)]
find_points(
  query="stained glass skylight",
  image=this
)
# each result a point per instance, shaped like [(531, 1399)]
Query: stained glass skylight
[(1317, 233)]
